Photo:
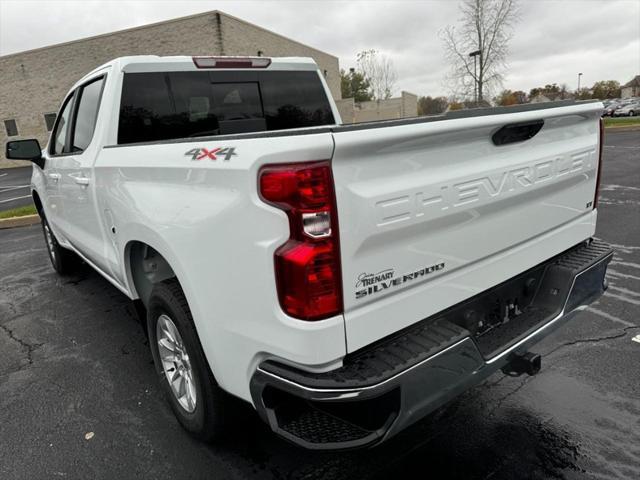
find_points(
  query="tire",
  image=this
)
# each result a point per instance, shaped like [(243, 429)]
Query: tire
[(206, 416), (631, 113), (64, 261)]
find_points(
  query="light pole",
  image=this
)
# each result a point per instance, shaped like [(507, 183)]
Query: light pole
[(579, 75), (475, 76)]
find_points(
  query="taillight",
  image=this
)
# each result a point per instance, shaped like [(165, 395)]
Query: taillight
[(599, 170), (307, 266), (231, 62)]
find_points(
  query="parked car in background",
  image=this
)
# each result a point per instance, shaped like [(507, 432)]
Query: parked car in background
[(628, 110), (617, 103), (610, 107)]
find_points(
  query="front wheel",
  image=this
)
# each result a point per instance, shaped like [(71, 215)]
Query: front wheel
[(197, 401), (64, 261), (631, 113)]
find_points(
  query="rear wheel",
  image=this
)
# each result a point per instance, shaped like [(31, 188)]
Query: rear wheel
[(631, 113), (64, 261), (197, 401)]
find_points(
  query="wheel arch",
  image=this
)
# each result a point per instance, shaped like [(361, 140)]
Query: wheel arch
[(138, 241), (37, 202), (146, 266), (165, 249)]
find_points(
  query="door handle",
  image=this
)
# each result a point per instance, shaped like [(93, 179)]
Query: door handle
[(54, 176), (84, 181)]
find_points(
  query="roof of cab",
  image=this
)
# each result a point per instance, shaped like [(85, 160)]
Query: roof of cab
[(155, 63)]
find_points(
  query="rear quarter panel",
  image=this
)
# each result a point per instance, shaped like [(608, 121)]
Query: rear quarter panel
[(204, 216)]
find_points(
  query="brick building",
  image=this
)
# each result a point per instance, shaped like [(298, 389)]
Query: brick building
[(33, 83), (631, 89)]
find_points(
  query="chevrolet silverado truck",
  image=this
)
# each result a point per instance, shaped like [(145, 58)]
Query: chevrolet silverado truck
[(346, 280)]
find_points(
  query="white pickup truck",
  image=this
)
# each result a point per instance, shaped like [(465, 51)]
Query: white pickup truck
[(346, 280)]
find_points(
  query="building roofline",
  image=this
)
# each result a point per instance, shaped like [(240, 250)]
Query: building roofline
[(272, 32), (116, 32), (155, 24), (634, 82)]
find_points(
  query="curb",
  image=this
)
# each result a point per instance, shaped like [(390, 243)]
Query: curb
[(19, 221), (623, 128)]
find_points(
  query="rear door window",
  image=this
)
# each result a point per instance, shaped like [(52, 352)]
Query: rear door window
[(164, 106)]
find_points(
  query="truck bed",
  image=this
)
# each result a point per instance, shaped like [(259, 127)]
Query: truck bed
[(467, 113)]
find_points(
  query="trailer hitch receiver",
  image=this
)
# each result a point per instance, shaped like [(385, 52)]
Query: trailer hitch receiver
[(528, 363)]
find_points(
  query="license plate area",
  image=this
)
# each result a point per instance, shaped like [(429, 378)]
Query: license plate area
[(502, 304)]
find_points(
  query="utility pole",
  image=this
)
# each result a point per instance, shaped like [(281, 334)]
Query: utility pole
[(474, 54), (579, 75)]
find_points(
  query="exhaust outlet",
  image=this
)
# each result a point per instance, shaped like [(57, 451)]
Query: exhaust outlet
[(528, 363)]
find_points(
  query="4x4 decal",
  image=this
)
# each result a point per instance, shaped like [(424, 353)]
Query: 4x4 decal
[(202, 153)]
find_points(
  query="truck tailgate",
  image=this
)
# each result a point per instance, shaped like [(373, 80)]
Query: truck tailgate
[(433, 212)]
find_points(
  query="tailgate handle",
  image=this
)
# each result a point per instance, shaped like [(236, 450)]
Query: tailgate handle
[(517, 132)]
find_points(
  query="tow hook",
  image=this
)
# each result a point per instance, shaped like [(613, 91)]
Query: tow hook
[(528, 363)]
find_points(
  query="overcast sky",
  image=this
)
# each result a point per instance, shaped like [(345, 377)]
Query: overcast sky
[(554, 40)]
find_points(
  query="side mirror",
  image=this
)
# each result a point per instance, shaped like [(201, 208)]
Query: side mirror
[(25, 150)]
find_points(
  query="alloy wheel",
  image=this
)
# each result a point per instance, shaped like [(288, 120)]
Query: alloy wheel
[(175, 363)]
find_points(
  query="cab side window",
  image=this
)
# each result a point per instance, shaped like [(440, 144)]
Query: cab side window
[(87, 114), (59, 137)]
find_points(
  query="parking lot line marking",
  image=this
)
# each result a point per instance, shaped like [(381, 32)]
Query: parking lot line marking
[(623, 298), (12, 187), (615, 273), (625, 247), (3, 174), (626, 264), (608, 316), (624, 290), (636, 338), (15, 198), (613, 186)]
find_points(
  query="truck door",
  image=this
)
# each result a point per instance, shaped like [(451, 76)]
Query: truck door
[(52, 155), (81, 221)]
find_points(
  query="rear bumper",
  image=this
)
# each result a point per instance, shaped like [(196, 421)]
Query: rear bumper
[(386, 387)]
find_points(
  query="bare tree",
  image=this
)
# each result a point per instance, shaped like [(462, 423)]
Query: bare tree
[(485, 29), (379, 71)]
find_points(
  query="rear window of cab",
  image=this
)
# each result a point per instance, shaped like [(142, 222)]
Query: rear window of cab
[(169, 105)]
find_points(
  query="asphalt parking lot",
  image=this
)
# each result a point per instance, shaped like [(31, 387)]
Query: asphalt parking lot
[(15, 187), (73, 360)]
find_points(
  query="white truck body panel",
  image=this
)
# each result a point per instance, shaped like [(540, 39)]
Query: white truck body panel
[(219, 238), (416, 196)]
